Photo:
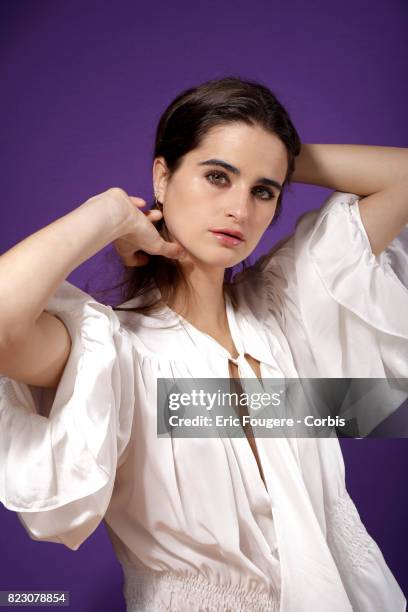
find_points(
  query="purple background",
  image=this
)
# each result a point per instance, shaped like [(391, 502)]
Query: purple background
[(83, 86)]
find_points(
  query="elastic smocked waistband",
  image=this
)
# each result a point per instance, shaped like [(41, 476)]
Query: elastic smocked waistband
[(152, 591)]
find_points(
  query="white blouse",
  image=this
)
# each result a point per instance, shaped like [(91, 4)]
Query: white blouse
[(191, 520)]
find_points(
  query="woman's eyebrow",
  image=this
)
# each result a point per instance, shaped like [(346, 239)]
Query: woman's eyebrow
[(234, 170)]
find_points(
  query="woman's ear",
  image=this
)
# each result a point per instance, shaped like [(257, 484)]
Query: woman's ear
[(160, 177)]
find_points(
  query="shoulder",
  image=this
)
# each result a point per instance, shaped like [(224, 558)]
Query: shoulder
[(269, 282), (157, 337)]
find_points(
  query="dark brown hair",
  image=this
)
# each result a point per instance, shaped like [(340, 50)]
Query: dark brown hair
[(181, 128)]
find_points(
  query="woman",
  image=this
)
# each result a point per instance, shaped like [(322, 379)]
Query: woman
[(207, 523)]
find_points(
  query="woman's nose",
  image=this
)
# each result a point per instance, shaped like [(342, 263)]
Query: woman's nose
[(238, 207)]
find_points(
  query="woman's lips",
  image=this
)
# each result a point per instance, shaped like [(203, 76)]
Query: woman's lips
[(227, 240)]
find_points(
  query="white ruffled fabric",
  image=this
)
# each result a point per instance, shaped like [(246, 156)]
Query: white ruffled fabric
[(54, 470), (320, 305), (329, 291)]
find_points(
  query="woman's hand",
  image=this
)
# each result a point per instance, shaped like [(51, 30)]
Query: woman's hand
[(143, 238)]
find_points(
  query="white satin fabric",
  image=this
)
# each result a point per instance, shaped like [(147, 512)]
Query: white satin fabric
[(191, 520)]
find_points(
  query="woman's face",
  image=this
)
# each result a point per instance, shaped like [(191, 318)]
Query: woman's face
[(202, 196)]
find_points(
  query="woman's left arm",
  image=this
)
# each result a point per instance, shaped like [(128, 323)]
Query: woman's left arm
[(378, 174)]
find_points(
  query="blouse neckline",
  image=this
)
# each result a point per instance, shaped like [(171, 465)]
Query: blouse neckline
[(198, 333), (242, 324)]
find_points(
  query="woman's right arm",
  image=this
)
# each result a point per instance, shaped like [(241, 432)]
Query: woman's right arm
[(35, 345)]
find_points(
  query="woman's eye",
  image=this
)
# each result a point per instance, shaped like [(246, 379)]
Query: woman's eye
[(217, 175), (269, 194)]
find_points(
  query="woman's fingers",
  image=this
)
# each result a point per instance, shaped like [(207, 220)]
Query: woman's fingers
[(138, 201), (154, 215), (141, 258), (134, 248), (136, 259), (172, 250)]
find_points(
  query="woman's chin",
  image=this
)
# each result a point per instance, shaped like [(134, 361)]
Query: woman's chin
[(225, 260)]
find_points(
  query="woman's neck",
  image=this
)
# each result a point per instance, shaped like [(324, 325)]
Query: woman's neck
[(205, 304)]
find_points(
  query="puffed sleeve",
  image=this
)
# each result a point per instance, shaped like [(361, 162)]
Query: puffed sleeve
[(57, 472), (330, 292)]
